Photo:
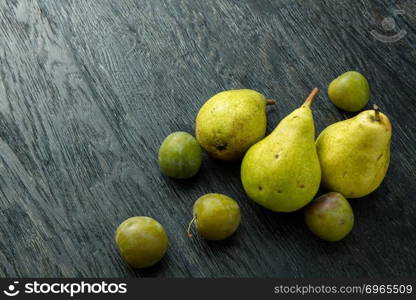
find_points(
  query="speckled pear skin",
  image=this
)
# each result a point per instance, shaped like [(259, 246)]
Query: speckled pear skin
[(282, 171), (355, 154), (230, 122)]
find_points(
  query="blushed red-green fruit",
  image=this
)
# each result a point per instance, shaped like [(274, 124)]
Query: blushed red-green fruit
[(216, 216), (142, 241), (350, 91), (330, 217), (180, 155)]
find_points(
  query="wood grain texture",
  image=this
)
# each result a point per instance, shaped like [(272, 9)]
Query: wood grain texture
[(89, 89)]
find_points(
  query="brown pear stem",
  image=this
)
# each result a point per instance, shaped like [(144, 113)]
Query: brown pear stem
[(190, 225), (376, 112), (270, 101), (309, 100)]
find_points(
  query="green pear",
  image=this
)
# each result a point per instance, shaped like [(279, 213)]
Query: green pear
[(355, 153), (349, 91), (282, 172), (230, 122)]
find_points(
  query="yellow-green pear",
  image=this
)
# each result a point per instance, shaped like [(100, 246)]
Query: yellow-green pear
[(230, 122), (282, 172), (355, 153)]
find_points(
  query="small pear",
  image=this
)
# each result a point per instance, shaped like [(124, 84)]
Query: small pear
[(355, 153), (230, 122), (282, 172)]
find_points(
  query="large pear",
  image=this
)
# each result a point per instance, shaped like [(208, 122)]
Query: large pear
[(355, 153), (230, 122), (282, 172)]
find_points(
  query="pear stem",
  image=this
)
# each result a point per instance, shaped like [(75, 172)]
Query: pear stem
[(190, 225), (309, 100), (376, 112), (270, 101)]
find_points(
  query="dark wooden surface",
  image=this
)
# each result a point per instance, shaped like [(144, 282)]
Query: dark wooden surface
[(89, 89)]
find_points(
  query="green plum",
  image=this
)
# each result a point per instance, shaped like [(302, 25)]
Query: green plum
[(350, 91), (216, 216), (180, 155), (330, 217), (142, 241)]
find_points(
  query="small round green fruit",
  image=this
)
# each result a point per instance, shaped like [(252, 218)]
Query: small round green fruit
[(216, 216), (330, 217), (180, 155), (142, 241), (350, 91)]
